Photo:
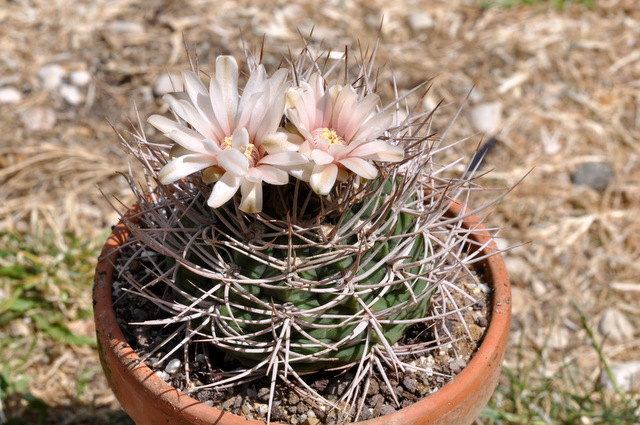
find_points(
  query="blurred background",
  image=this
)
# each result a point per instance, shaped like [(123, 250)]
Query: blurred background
[(557, 83)]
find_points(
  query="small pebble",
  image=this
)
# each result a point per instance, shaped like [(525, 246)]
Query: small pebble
[(71, 94), (263, 409), (627, 376), (486, 117), (163, 375), (80, 78), (10, 95), (251, 391), (557, 340), (51, 75), (518, 268), (38, 118), (420, 21), (125, 28), (596, 175), (293, 398), (173, 366), (263, 393), (615, 326), (410, 383), (461, 362), (387, 409), (311, 421), (482, 321), (551, 144)]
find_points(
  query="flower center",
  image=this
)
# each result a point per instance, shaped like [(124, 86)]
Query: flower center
[(250, 152), (331, 136)]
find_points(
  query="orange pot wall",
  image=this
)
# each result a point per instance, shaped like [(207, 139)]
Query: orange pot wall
[(149, 400)]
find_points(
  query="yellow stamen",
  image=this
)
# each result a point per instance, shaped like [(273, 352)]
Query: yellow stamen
[(227, 142), (331, 136), (249, 150)]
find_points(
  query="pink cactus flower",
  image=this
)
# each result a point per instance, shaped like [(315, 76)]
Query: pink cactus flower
[(338, 132)]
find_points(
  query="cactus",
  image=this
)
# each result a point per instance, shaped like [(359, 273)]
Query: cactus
[(321, 289), (304, 224)]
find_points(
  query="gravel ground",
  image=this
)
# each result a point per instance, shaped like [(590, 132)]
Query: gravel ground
[(558, 88)]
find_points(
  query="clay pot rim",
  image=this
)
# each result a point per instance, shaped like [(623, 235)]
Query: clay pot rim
[(490, 350)]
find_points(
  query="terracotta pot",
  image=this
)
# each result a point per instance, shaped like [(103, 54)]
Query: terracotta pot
[(149, 400)]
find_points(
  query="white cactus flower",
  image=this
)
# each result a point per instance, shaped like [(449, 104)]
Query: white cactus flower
[(227, 131)]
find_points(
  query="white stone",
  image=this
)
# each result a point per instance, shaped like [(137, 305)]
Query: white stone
[(51, 75), (80, 78), (10, 95), (486, 117), (559, 339), (627, 375), (167, 83), (263, 409), (163, 375), (420, 21), (518, 268), (125, 27), (71, 94), (38, 118), (551, 144), (173, 366), (615, 326)]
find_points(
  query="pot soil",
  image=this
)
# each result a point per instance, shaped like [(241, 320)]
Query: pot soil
[(148, 399)]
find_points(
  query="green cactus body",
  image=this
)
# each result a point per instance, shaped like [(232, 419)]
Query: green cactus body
[(323, 302)]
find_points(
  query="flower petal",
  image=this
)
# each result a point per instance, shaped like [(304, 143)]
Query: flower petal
[(254, 86), (323, 178), (183, 166), (374, 127), (227, 75), (240, 139), (251, 197), (346, 104), (185, 110), (284, 159), (281, 141), (273, 175), (359, 116), (211, 146), (378, 150), (234, 162), (223, 93), (199, 97), (360, 167), (321, 157), (224, 190)]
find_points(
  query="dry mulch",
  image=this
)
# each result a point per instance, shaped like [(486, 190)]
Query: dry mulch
[(567, 83)]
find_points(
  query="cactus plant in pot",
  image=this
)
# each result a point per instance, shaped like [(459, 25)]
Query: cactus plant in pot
[(295, 233)]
